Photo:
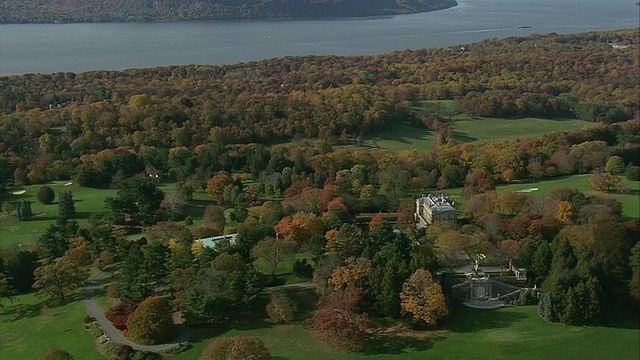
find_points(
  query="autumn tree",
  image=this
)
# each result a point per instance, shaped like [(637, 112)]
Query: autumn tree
[(339, 319), (216, 184), (600, 182), (181, 283), (300, 227), (273, 252), (151, 322), (59, 279), (280, 308), (214, 215), (173, 204), (615, 165), (422, 300), (353, 273), (46, 195), (565, 211), (237, 347)]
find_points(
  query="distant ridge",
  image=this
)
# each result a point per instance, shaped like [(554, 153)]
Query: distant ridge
[(63, 11)]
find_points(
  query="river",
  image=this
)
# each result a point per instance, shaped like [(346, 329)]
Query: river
[(38, 48)]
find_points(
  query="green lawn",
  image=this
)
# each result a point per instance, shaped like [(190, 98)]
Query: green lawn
[(404, 136), (400, 136), (284, 271), (12, 231), (466, 129), (30, 335)]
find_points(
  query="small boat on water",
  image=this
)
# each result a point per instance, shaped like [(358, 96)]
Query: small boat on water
[(524, 26)]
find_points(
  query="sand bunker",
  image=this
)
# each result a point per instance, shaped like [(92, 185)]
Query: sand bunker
[(527, 190), (19, 192), (68, 184)]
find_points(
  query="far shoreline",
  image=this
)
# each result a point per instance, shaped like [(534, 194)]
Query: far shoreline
[(382, 15)]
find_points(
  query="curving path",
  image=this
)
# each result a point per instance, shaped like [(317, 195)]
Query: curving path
[(114, 334)]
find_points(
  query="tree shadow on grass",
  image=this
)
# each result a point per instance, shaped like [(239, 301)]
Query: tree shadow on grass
[(199, 334), (396, 345), (466, 320), (463, 138), (24, 311)]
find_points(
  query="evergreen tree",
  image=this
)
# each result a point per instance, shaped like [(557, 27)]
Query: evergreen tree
[(66, 206), (54, 242), (389, 273), (136, 202), (133, 280), (23, 211)]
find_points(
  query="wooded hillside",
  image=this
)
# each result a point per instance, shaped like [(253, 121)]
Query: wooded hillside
[(49, 11)]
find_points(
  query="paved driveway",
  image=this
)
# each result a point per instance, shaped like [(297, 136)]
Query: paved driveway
[(114, 334)]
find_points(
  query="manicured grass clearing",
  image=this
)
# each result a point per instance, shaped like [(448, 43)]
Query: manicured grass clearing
[(30, 336), (404, 136), (466, 129), (401, 136), (12, 231)]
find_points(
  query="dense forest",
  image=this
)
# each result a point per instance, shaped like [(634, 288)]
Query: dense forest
[(47, 11), (192, 121)]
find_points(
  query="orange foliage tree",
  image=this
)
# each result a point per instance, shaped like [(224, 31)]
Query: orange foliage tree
[(300, 227), (422, 300)]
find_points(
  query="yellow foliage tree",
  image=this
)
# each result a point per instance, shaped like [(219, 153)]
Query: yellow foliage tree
[(565, 211), (354, 270), (422, 299)]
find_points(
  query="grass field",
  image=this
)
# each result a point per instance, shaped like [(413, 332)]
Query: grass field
[(404, 136), (466, 129), (30, 335), (401, 136), (12, 231)]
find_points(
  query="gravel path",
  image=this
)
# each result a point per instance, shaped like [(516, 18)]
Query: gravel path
[(114, 334), (296, 285)]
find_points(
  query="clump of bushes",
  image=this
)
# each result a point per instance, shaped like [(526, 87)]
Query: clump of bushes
[(119, 315)]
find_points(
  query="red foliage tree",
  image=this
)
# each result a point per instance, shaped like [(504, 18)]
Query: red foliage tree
[(339, 321), (119, 314)]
